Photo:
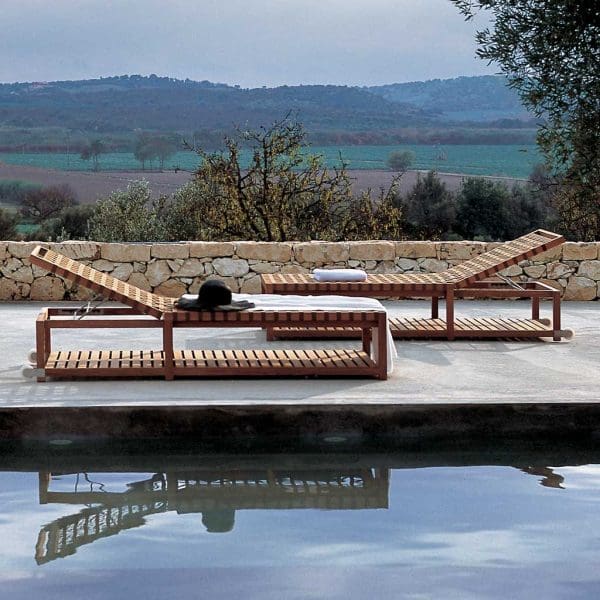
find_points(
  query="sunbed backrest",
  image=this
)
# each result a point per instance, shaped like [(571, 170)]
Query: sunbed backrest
[(503, 256), (107, 286)]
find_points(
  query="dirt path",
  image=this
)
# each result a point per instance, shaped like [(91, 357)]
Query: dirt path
[(89, 186)]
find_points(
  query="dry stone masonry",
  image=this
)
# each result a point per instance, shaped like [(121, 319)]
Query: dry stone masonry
[(172, 269)]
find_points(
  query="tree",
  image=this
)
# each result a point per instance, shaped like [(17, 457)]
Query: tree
[(550, 52), (129, 216), (8, 225), (148, 147), (283, 193), (482, 209), (71, 223), (44, 203), (401, 161), (142, 149), (429, 208), (93, 151)]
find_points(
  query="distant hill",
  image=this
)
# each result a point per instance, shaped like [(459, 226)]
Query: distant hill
[(485, 98), (465, 110)]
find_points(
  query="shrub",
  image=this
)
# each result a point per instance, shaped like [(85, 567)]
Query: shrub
[(401, 161), (129, 216), (8, 225), (429, 208)]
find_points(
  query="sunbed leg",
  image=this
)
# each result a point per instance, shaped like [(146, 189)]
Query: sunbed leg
[(381, 350), (450, 313), (556, 324), (270, 333), (169, 359), (535, 308), (435, 311), (367, 339), (42, 342)]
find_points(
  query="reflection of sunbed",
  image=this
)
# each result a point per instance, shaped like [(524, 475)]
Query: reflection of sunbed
[(468, 279), (148, 310), (216, 493)]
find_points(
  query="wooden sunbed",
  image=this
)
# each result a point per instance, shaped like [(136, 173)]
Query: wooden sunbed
[(470, 279), (147, 310)]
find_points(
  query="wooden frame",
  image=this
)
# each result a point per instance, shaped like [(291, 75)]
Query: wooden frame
[(147, 310), (470, 279), (368, 361)]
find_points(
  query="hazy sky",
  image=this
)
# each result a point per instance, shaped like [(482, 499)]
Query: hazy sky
[(246, 42)]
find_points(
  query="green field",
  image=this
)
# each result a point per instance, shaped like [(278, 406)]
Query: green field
[(502, 160)]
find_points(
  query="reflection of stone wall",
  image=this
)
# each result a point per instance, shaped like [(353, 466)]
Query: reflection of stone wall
[(174, 268)]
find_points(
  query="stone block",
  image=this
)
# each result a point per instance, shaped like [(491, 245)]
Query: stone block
[(461, 250), (105, 266), (251, 285), (192, 267), (23, 249), (79, 293), (556, 270), (158, 272), (535, 271), (13, 290), (4, 251), (24, 275), (170, 251), (47, 288), (407, 264), (125, 252), (580, 288), (230, 267), (294, 269), (373, 250), (554, 254), (264, 267), (210, 249), (512, 271), (140, 280), (385, 266), (590, 269), (269, 251), (416, 249), (432, 265), (580, 251), (8, 289), (123, 271), (321, 253), (78, 250), (171, 288)]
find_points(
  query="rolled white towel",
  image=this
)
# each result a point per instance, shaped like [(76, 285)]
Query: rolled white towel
[(30, 372), (339, 275), (32, 356)]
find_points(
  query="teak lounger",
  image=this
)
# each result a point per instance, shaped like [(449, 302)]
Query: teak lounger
[(147, 310), (466, 280)]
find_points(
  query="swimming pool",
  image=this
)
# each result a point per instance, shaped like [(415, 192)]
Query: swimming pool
[(346, 523)]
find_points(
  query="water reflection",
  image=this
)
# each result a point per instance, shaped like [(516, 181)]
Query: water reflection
[(214, 493)]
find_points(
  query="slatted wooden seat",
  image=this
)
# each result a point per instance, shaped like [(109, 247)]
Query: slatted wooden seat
[(469, 279), (147, 310)]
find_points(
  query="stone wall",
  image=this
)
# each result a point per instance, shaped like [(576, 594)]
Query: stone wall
[(172, 269)]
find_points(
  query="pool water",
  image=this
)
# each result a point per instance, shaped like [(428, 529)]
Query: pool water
[(339, 525)]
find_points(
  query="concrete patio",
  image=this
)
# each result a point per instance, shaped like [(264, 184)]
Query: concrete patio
[(436, 381)]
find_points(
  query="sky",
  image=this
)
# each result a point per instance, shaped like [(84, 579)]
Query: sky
[(251, 43)]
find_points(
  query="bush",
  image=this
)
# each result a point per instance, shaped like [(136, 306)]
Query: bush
[(401, 161), (129, 216), (72, 223), (429, 209), (41, 204), (482, 209), (8, 225)]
